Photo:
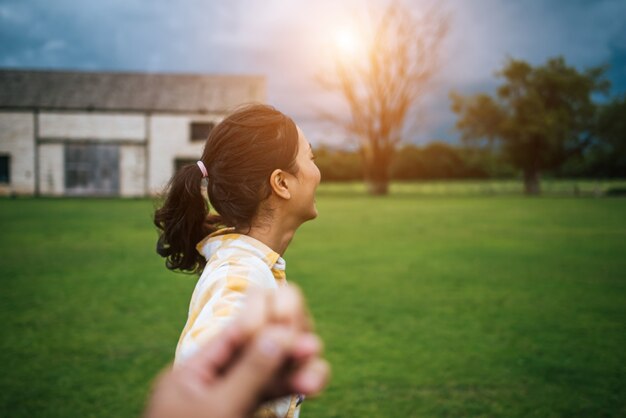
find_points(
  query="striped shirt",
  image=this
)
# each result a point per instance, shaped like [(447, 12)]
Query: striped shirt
[(235, 263)]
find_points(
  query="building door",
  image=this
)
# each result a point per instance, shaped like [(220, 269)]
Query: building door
[(92, 170)]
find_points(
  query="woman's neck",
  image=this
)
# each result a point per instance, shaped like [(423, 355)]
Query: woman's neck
[(276, 238)]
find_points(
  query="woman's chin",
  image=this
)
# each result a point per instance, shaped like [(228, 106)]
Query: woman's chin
[(313, 214)]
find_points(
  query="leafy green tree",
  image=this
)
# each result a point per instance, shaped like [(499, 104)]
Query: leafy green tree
[(338, 165), (609, 152), (485, 163), (539, 118), (436, 160)]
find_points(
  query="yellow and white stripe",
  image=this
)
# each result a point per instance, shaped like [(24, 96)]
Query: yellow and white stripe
[(235, 263)]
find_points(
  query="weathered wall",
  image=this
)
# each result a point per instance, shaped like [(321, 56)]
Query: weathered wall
[(167, 135), (51, 170), (132, 171), (169, 140), (92, 126), (17, 139), (58, 128)]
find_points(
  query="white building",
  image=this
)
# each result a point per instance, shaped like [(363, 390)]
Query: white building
[(108, 134)]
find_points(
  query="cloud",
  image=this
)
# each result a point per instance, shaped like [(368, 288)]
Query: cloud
[(286, 41)]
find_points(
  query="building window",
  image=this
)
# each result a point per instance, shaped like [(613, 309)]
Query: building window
[(5, 169), (200, 130), (92, 169), (181, 162)]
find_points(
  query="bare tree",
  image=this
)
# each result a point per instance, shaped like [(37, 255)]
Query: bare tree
[(400, 56)]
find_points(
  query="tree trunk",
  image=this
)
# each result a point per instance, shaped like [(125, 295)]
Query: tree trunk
[(377, 172), (377, 188), (532, 186)]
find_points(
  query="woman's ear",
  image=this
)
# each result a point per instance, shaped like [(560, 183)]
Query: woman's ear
[(278, 183)]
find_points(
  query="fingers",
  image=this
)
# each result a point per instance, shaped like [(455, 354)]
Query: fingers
[(255, 312), (207, 362), (262, 308), (305, 350), (311, 377), (284, 305), (268, 351), (306, 346), (258, 365), (289, 308)]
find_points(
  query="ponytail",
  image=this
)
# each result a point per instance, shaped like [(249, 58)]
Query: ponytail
[(183, 220)]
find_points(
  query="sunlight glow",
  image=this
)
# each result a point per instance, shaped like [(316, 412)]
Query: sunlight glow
[(347, 41)]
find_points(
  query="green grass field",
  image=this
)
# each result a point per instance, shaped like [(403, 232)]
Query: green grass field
[(435, 306)]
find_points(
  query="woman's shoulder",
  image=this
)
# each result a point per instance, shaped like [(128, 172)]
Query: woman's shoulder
[(241, 267)]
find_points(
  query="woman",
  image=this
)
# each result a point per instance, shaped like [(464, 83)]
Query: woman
[(261, 179)]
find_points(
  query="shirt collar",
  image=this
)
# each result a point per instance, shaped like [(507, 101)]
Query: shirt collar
[(227, 238)]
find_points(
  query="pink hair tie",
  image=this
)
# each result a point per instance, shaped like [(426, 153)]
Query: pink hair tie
[(203, 169)]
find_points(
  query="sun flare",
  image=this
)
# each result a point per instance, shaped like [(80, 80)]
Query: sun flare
[(347, 41)]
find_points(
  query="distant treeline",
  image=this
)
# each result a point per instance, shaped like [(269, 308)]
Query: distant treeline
[(440, 161)]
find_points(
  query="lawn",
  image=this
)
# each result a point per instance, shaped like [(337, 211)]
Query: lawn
[(430, 306)]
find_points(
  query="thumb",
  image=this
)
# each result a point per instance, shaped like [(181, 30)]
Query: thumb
[(259, 364)]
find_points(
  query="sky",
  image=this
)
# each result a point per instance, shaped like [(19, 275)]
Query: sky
[(288, 42)]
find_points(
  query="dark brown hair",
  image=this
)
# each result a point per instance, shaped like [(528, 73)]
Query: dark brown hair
[(240, 154)]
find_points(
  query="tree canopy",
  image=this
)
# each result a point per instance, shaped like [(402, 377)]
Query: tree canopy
[(610, 149), (539, 117)]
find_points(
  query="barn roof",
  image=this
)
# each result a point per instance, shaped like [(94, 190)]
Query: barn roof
[(142, 92)]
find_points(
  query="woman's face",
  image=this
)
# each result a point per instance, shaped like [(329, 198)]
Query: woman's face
[(308, 178)]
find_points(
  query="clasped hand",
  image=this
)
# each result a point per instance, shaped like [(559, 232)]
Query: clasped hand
[(269, 351)]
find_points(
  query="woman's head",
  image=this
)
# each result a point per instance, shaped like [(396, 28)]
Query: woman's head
[(240, 155), (246, 156)]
